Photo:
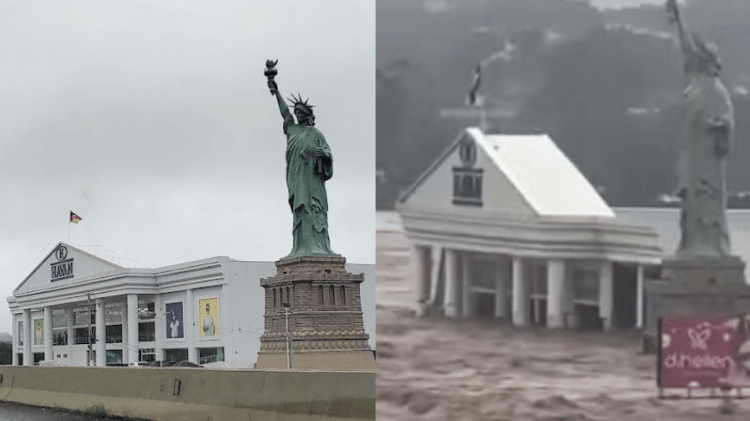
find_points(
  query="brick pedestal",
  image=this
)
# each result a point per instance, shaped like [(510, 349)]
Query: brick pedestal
[(325, 317)]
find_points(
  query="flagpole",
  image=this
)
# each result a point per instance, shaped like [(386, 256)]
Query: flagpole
[(68, 232)]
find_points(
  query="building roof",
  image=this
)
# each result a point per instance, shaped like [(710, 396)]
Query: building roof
[(542, 173), (111, 257)]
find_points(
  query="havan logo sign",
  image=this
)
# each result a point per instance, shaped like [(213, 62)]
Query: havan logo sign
[(63, 268)]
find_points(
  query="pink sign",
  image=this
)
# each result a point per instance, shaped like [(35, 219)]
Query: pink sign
[(704, 352)]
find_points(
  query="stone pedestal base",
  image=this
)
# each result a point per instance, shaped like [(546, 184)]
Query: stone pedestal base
[(695, 285), (324, 317), (314, 360)]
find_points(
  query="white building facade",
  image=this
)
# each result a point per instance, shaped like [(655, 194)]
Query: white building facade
[(84, 305), (507, 227)]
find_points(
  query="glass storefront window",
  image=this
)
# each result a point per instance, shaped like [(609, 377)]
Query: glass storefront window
[(113, 313), (147, 354), (210, 355), (175, 355), (82, 335), (146, 332), (114, 356), (84, 317), (114, 334), (60, 336), (146, 309), (59, 318)]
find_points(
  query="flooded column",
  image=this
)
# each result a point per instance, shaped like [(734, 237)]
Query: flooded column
[(520, 294), (501, 287), (435, 255), (555, 293), (639, 298), (451, 283), (605, 294), (466, 308), (421, 282)]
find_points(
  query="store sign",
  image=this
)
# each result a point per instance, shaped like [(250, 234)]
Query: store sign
[(704, 352), (467, 180), (63, 268)]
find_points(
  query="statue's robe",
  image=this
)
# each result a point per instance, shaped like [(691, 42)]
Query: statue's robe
[(305, 178), (707, 137)]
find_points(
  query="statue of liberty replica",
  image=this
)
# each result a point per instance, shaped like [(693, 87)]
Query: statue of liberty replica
[(309, 165), (702, 278), (707, 140), (313, 309)]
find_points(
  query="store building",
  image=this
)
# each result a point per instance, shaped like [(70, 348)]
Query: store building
[(506, 226), (87, 305)]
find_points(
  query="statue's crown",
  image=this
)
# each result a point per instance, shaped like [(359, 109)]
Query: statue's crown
[(708, 52), (301, 105)]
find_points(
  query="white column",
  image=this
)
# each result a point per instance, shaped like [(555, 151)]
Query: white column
[(555, 293), (160, 328), (132, 315), (606, 285), (101, 334), (520, 294), (191, 332), (451, 284), (501, 284), (71, 339), (125, 333), (27, 338), (639, 298), (14, 345), (48, 354), (466, 308)]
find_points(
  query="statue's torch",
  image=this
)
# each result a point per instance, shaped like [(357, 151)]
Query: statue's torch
[(270, 73)]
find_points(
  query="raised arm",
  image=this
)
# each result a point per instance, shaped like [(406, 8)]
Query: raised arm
[(283, 108), (674, 16)]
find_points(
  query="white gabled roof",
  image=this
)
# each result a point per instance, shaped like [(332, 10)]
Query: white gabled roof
[(542, 173), (520, 171), (112, 257)]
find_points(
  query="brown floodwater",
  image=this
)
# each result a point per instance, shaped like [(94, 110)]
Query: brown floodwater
[(442, 369)]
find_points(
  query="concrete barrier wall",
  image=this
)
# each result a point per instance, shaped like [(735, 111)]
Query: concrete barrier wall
[(186, 394)]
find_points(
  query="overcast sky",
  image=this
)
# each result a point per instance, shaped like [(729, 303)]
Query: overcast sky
[(617, 4), (153, 122)]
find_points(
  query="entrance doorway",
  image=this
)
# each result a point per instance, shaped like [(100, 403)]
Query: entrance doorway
[(485, 305), (588, 317)]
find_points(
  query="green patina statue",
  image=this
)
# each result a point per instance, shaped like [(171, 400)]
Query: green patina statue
[(309, 164), (707, 140)]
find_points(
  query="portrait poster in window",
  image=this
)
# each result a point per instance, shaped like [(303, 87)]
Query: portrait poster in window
[(208, 317), (175, 326)]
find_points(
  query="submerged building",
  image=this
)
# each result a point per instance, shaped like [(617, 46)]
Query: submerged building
[(86, 305), (506, 226)]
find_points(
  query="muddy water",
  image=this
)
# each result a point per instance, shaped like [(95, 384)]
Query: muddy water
[(438, 369)]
